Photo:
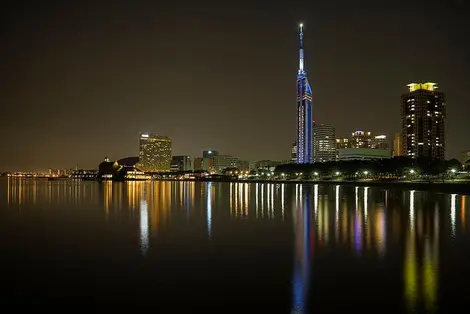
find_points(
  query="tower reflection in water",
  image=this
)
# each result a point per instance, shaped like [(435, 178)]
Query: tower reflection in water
[(421, 256), (144, 222), (302, 251)]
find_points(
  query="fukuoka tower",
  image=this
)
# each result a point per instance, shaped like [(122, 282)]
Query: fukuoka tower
[(304, 110)]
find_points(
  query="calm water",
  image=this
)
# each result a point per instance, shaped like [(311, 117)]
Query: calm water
[(171, 246)]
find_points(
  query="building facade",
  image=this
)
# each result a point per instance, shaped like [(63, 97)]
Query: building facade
[(380, 142), (221, 162), (361, 139), (423, 114), (293, 154), (201, 163), (209, 153), (397, 145), (154, 153), (182, 163), (304, 153), (362, 154), (324, 143)]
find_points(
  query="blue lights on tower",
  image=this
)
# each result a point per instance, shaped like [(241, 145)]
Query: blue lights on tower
[(304, 110)]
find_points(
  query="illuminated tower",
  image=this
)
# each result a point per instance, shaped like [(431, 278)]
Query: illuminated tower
[(423, 115), (154, 153), (304, 110)]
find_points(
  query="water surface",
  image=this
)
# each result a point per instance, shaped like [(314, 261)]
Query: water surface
[(278, 248)]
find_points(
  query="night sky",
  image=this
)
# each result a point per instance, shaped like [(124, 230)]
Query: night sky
[(81, 79)]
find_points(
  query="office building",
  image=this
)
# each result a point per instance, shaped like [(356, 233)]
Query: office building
[(201, 163), (182, 163), (221, 162), (209, 153), (324, 143), (380, 142), (304, 153), (154, 153), (423, 114), (362, 154), (397, 145)]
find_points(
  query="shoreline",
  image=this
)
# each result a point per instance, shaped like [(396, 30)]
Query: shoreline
[(442, 187), (455, 187)]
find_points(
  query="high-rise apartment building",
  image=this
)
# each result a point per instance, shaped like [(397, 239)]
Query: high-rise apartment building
[(154, 153), (361, 139), (423, 113), (304, 141), (344, 142), (324, 143), (397, 145)]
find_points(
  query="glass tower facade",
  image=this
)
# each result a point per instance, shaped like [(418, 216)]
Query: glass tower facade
[(304, 111)]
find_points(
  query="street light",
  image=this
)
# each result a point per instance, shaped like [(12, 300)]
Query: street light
[(412, 171), (366, 172)]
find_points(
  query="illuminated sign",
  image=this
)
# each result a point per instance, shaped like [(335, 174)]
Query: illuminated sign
[(425, 86), (379, 137), (144, 135)]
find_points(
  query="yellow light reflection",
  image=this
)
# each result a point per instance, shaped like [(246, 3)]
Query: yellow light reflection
[(209, 209), (337, 213), (380, 231), (283, 186), (257, 199), (462, 211), (315, 199), (231, 198)]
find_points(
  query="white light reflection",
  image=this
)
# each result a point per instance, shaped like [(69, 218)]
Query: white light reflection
[(209, 209), (337, 212), (262, 200), (357, 197), (144, 226), (257, 199), (366, 200), (246, 199), (452, 212), (268, 200), (282, 199), (315, 199), (272, 201), (412, 209)]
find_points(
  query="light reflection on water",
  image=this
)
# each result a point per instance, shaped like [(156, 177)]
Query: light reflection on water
[(361, 222)]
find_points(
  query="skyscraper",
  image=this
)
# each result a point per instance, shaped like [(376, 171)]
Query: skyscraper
[(324, 143), (154, 153), (397, 145), (423, 113), (304, 110)]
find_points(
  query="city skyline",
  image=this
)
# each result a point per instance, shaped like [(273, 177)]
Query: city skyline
[(81, 81)]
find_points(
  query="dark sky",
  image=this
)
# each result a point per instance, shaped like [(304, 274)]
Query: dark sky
[(81, 79)]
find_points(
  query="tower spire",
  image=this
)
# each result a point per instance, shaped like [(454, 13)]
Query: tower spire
[(301, 49)]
